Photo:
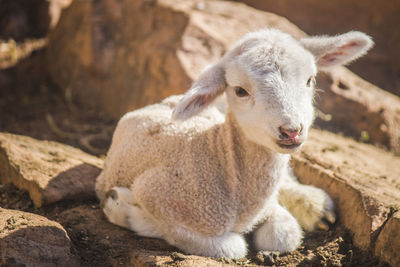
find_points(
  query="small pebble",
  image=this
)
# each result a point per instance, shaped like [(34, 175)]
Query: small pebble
[(267, 257), (176, 256)]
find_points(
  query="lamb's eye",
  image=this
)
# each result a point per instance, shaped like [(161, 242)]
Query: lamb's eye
[(240, 92), (310, 81)]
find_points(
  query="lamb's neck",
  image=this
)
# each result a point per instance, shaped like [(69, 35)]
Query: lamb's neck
[(252, 173), (245, 159)]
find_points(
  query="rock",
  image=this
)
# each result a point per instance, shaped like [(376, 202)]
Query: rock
[(49, 171), (31, 240), (119, 63), (381, 65), (388, 242), (362, 180), (351, 106)]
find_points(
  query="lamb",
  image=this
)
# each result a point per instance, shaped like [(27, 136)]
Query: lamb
[(201, 177)]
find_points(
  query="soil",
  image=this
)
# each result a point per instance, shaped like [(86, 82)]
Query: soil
[(40, 110)]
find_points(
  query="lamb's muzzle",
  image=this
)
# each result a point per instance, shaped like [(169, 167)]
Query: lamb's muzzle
[(291, 138)]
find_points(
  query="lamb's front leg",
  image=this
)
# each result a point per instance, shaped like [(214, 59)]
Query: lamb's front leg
[(311, 206), (280, 231), (120, 208)]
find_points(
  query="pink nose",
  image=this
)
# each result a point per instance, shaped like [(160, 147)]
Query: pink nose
[(289, 133)]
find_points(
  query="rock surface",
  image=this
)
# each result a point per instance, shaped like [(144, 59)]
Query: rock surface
[(31, 240), (358, 109), (49, 171), (388, 243), (362, 179), (120, 63)]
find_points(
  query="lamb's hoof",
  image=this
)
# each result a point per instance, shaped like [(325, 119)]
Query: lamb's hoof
[(115, 207), (328, 216), (112, 193)]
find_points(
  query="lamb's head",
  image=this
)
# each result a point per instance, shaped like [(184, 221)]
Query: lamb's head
[(269, 80)]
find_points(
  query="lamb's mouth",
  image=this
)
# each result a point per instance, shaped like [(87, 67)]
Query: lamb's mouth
[(289, 146)]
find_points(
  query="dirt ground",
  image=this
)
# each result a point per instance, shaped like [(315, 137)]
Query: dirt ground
[(38, 109)]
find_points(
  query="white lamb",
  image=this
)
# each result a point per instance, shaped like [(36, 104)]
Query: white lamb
[(202, 179)]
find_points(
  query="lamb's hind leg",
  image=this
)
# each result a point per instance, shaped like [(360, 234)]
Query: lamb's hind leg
[(121, 209), (311, 206)]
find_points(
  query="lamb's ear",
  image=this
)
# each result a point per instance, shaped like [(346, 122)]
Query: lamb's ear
[(330, 51), (204, 90)]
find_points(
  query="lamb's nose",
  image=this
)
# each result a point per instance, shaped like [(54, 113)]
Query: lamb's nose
[(291, 133)]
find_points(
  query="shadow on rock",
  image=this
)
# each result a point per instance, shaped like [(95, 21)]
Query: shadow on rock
[(75, 183)]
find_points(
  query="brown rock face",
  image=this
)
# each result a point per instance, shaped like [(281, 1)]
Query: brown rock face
[(388, 243), (363, 181), (358, 109), (120, 62), (31, 240), (118, 54), (49, 171)]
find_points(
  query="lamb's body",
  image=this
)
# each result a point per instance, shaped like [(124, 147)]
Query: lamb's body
[(190, 165), (203, 182)]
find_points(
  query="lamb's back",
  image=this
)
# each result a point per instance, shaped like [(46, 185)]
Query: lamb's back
[(148, 137)]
